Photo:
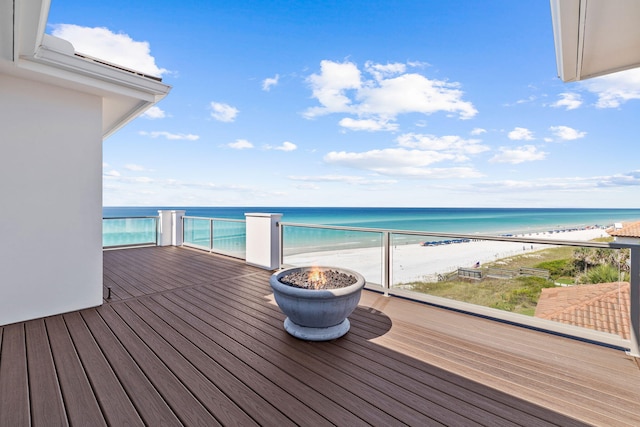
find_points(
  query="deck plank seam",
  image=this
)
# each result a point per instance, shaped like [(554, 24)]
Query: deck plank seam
[(151, 312), (123, 374), (164, 300), (253, 349), (314, 354), (194, 285), (293, 349), (562, 380), (506, 382), (160, 357), (136, 359)]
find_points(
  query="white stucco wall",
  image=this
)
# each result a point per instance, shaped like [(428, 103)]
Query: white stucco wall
[(50, 200)]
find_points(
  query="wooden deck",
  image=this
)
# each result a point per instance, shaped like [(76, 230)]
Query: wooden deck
[(195, 339)]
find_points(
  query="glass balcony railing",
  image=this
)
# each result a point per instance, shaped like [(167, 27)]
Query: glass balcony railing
[(586, 289), (131, 231), (578, 288)]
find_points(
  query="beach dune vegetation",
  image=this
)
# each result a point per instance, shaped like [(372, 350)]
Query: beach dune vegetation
[(566, 266)]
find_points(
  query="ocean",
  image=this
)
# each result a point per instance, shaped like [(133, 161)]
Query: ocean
[(229, 237), (446, 220)]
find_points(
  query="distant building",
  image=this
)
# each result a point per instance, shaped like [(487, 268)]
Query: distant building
[(627, 233), (602, 307)]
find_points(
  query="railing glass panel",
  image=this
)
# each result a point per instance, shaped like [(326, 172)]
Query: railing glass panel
[(224, 236), (197, 232), (361, 251), (129, 231), (229, 237), (580, 286)]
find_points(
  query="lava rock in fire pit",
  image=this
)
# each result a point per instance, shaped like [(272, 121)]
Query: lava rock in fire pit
[(305, 280)]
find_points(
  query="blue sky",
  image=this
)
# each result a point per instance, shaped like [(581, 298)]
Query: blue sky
[(358, 103)]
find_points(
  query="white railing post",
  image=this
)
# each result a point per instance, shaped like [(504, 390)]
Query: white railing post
[(164, 226), (176, 227), (386, 263), (635, 302), (170, 225), (263, 240)]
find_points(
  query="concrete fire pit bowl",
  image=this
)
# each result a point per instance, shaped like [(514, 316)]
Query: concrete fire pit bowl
[(317, 313)]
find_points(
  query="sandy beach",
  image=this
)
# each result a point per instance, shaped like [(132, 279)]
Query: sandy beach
[(416, 262)]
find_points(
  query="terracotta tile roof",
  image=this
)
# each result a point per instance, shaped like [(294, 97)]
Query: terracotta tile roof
[(602, 307), (631, 229)]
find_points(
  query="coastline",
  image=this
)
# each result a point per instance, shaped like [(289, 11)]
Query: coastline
[(413, 262)]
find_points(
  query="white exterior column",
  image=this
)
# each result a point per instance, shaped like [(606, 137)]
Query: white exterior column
[(164, 229), (263, 240), (176, 227), (170, 232)]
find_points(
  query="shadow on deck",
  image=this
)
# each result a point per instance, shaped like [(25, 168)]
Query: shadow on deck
[(196, 339)]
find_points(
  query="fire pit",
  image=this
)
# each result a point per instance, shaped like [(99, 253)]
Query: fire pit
[(317, 300)]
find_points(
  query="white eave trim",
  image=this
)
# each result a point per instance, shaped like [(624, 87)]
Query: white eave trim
[(53, 60), (568, 27)]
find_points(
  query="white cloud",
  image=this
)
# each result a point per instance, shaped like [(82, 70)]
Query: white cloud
[(620, 180), (400, 162), (591, 183), (380, 71), (154, 113), (347, 179), (270, 81), (478, 131), (370, 125), (286, 146), (388, 157), (527, 153), (449, 143), (112, 173), (569, 101), (240, 144), (615, 89), (519, 134), (341, 88), (134, 168), (330, 86), (414, 156), (102, 43), (223, 112), (566, 133), (171, 136)]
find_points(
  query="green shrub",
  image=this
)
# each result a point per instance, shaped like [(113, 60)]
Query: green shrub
[(524, 298), (604, 273), (558, 267)]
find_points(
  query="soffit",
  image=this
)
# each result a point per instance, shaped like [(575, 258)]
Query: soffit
[(595, 37)]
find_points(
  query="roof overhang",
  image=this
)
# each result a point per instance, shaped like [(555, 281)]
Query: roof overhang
[(595, 37), (25, 50)]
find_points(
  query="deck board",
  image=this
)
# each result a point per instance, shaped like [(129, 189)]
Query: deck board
[(151, 406), (113, 400), (47, 405), (191, 338), (14, 389), (81, 404)]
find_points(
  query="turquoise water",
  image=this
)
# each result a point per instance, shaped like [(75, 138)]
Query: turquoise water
[(447, 220), (454, 220)]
